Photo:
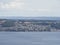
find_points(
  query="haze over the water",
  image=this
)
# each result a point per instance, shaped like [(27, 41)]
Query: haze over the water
[(30, 8)]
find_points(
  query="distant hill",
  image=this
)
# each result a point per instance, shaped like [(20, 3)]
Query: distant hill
[(34, 18)]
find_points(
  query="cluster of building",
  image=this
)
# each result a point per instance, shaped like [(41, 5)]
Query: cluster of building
[(27, 26)]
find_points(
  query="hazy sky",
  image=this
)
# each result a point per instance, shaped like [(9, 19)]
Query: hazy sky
[(30, 8)]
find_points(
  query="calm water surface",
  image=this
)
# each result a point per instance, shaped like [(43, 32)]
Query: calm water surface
[(29, 38)]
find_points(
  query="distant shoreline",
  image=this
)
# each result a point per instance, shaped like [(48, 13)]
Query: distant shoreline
[(29, 25)]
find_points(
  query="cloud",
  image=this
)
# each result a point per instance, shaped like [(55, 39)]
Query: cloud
[(30, 7), (24, 5), (17, 4)]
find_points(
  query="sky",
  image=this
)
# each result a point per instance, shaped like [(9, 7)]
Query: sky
[(30, 8)]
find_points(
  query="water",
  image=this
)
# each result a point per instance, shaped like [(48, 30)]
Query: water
[(29, 38)]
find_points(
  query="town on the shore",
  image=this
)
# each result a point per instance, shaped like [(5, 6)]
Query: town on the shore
[(21, 25)]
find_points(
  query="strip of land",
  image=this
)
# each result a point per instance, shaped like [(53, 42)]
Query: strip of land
[(21, 25)]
